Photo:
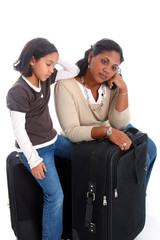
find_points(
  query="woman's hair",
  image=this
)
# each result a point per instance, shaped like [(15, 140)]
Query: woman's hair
[(100, 46), (37, 48)]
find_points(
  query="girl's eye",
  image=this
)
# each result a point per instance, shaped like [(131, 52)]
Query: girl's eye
[(48, 65)]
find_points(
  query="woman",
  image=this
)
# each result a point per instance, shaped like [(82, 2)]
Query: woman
[(94, 104)]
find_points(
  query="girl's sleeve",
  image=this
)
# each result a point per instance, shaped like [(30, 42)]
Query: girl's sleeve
[(69, 70), (18, 123)]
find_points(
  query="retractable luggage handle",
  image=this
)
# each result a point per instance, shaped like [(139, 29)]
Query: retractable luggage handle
[(91, 195)]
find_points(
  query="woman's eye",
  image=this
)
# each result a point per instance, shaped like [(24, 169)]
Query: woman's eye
[(114, 68), (104, 61)]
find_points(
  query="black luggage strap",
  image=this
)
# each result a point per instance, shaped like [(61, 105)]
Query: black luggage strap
[(136, 170), (134, 131), (91, 195)]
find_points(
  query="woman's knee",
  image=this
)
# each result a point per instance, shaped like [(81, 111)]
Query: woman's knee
[(152, 149)]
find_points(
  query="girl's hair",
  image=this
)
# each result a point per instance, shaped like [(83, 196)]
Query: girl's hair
[(100, 46), (37, 48)]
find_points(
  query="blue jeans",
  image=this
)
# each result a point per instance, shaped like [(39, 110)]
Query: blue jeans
[(151, 156), (53, 194)]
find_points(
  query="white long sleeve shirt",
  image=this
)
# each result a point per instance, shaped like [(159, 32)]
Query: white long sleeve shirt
[(19, 118)]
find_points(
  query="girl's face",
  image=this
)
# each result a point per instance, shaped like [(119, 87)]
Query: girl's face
[(104, 66), (44, 67)]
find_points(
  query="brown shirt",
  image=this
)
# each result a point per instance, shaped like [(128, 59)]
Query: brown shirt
[(21, 97)]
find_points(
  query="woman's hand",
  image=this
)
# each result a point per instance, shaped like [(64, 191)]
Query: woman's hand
[(39, 170), (121, 139), (120, 83)]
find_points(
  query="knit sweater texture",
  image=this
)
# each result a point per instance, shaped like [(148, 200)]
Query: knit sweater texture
[(75, 116)]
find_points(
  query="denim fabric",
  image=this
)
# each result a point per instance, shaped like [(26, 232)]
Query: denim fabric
[(53, 194), (151, 156)]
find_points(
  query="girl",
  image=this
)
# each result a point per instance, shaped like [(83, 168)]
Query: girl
[(36, 139), (95, 103)]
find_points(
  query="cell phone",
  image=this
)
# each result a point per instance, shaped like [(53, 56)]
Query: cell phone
[(114, 85)]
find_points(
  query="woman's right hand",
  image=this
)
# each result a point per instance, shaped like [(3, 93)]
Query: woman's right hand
[(39, 170), (121, 139)]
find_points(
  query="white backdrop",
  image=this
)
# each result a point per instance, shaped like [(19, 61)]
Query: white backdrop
[(73, 26)]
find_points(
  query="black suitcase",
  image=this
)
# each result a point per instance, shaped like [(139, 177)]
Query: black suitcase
[(109, 189), (26, 199)]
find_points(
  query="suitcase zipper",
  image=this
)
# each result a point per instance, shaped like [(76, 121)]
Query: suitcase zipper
[(115, 183), (105, 200)]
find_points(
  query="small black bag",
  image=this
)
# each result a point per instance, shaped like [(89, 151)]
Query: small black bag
[(109, 189)]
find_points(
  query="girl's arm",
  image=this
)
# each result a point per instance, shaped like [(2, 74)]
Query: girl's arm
[(69, 70), (34, 160)]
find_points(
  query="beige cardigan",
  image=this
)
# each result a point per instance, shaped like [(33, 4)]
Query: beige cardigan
[(75, 116)]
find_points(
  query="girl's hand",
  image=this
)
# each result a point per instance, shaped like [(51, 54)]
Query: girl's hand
[(39, 170), (120, 83), (121, 139)]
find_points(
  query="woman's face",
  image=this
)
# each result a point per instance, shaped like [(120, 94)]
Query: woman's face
[(104, 65)]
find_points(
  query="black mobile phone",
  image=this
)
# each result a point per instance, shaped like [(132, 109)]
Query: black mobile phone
[(114, 85)]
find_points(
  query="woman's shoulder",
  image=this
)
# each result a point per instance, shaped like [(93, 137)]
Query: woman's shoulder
[(67, 83)]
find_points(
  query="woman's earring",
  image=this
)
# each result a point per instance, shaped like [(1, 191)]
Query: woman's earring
[(88, 65)]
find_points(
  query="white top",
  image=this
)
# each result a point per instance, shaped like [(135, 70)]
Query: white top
[(91, 98)]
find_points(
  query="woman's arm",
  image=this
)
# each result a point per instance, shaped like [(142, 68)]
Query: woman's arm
[(34, 160), (122, 99), (69, 70), (119, 113), (117, 137)]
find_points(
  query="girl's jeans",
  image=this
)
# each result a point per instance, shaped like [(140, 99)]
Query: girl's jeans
[(53, 194), (151, 156)]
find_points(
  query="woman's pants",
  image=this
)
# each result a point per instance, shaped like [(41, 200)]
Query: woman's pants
[(53, 194)]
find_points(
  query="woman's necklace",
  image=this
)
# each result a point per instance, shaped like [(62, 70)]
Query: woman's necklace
[(87, 96)]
